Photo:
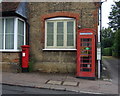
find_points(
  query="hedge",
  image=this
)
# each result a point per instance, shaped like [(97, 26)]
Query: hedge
[(107, 51)]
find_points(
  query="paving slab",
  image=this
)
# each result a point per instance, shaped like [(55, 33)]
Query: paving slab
[(54, 82), (56, 87), (70, 83)]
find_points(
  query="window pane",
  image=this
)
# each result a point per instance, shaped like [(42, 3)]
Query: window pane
[(20, 33), (70, 39), (20, 27), (1, 26), (9, 44), (50, 33), (1, 33), (20, 41), (60, 33), (70, 33), (9, 34), (9, 26), (1, 41)]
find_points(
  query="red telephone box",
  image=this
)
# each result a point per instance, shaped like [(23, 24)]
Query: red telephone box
[(25, 57), (86, 53)]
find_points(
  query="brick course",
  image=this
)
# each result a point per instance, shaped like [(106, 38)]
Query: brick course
[(11, 62), (86, 14)]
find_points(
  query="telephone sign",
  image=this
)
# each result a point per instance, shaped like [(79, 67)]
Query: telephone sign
[(86, 53), (86, 33)]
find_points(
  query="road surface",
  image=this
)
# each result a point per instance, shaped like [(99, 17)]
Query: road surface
[(113, 65), (8, 89)]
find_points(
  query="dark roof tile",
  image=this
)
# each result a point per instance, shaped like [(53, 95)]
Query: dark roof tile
[(9, 6)]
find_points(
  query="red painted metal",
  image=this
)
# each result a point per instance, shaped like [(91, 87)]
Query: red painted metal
[(86, 53), (25, 56)]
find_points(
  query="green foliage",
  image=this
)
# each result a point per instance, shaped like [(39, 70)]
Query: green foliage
[(116, 45), (107, 51), (107, 42), (107, 33), (115, 25), (115, 16), (107, 37), (31, 63)]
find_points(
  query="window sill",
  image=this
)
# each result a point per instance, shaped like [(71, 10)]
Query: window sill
[(10, 50), (59, 49)]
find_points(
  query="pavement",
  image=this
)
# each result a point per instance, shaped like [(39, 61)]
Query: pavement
[(66, 82)]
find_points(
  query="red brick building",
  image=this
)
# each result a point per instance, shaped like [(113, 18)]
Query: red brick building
[(50, 28)]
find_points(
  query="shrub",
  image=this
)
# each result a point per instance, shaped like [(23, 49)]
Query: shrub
[(116, 45), (107, 51)]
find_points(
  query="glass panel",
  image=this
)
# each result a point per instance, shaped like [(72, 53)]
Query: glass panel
[(85, 65), (9, 34), (70, 33), (1, 25), (50, 33), (1, 41), (60, 33), (1, 33), (20, 41), (86, 58), (85, 69), (20, 33), (10, 26), (86, 39), (85, 44), (86, 61), (70, 40), (9, 41), (20, 27)]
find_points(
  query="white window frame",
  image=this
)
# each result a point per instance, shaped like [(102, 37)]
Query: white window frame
[(15, 35), (65, 47)]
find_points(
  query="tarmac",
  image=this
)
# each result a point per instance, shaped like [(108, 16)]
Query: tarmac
[(66, 82)]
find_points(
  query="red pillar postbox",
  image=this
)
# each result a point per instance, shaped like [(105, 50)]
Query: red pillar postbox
[(86, 53), (25, 57)]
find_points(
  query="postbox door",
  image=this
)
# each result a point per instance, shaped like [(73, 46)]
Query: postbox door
[(86, 55), (25, 56)]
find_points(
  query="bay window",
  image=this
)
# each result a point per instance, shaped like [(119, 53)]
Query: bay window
[(20, 38), (12, 34)]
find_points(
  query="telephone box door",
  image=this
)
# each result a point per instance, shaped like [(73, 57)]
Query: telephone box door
[(86, 53)]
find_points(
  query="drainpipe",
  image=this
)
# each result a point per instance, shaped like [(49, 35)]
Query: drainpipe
[(99, 57)]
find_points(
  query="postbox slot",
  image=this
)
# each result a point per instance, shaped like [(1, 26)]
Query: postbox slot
[(23, 49)]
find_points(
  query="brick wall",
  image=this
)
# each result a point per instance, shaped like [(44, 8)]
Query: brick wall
[(57, 61), (10, 62)]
